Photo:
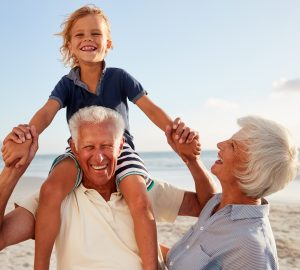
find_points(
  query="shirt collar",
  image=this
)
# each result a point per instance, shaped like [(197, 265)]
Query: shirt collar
[(94, 193), (74, 75), (241, 211)]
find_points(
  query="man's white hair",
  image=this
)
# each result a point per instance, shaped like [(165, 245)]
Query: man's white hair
[(272, 157), (96, 115)]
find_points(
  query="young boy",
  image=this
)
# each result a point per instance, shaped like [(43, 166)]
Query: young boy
[(86, 41)]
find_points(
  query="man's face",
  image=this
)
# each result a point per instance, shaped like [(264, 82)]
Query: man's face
[(97, 152)]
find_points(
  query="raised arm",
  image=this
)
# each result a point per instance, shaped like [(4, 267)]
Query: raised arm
[(44, 116), (205, 187), (16, 145), (156, 114), (17, 225), (161, 119)]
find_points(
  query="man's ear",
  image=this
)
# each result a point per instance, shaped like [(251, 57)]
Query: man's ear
[(73, 148), (121, 146)]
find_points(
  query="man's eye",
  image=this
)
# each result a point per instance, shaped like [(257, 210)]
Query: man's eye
[(108, 146), (88, 147)]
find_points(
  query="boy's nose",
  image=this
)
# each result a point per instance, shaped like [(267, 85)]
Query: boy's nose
[(88, 38)]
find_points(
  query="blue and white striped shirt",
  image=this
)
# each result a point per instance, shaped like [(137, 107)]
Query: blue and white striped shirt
[(235, 237)]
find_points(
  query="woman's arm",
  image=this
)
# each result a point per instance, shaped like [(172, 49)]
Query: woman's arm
[(205, 187)]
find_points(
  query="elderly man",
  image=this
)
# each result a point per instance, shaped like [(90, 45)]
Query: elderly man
[(97, 230)]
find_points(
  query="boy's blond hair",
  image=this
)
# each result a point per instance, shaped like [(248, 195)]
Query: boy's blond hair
[(67, 25)]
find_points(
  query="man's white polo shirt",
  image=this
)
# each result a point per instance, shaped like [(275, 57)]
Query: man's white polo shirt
[(96, 234)]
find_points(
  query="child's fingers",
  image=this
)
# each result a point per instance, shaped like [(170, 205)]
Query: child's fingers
[(184, 135), (193, 135), (26, 130), (176, 122), (15, 138), (179, 130), (19, 133)]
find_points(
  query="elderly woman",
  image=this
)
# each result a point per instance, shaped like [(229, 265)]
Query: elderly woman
[(233, 230)]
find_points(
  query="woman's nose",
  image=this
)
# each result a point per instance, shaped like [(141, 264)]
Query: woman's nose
[(219, 145)]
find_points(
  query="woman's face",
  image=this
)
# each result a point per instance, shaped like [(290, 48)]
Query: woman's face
[(231, 157)]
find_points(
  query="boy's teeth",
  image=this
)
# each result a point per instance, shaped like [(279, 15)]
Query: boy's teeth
[(88, 48)]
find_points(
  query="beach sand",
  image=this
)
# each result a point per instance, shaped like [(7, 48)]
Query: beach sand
[(285, 222)]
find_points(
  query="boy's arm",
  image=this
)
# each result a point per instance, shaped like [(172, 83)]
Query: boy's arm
[(44, 116), (12, 151), (157, 115), (161, 119)]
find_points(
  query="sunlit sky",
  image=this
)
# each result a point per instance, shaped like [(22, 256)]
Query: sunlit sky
[(208, 62)]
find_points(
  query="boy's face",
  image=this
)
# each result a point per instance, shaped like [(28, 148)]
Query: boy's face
[(89, 40)]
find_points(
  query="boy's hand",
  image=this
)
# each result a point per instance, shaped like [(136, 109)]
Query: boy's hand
[(183, 134), (19, 134), (14, 150), (187, 151)]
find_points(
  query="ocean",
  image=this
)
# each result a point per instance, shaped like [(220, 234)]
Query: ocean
[(166, 166)]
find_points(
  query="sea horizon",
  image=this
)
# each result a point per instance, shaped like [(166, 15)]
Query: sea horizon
[(162, 165)]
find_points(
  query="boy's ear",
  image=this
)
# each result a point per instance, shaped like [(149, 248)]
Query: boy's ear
[(109, 45), (69, 47)]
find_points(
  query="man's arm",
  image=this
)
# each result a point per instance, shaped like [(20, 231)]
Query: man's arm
[(18, 225), (192, 203)]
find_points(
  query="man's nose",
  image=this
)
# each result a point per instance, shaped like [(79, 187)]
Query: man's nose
[(99, 156)]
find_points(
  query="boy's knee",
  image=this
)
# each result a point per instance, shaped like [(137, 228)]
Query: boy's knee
[(50, 191), (141, 203), (2, 242)]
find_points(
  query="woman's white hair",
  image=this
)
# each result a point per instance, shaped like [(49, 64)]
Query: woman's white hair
[(272, 157), (96, 115)]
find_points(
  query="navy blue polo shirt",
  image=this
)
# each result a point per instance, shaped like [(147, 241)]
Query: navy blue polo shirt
[(114, 88)]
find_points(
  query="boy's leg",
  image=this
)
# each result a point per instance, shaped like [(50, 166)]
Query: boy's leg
[(134, 190), (11, 232), (58, 185)]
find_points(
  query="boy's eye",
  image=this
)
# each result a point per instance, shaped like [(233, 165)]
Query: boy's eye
[(96, 34), (78, 35)]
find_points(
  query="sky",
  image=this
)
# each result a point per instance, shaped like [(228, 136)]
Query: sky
[(208, 62)]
